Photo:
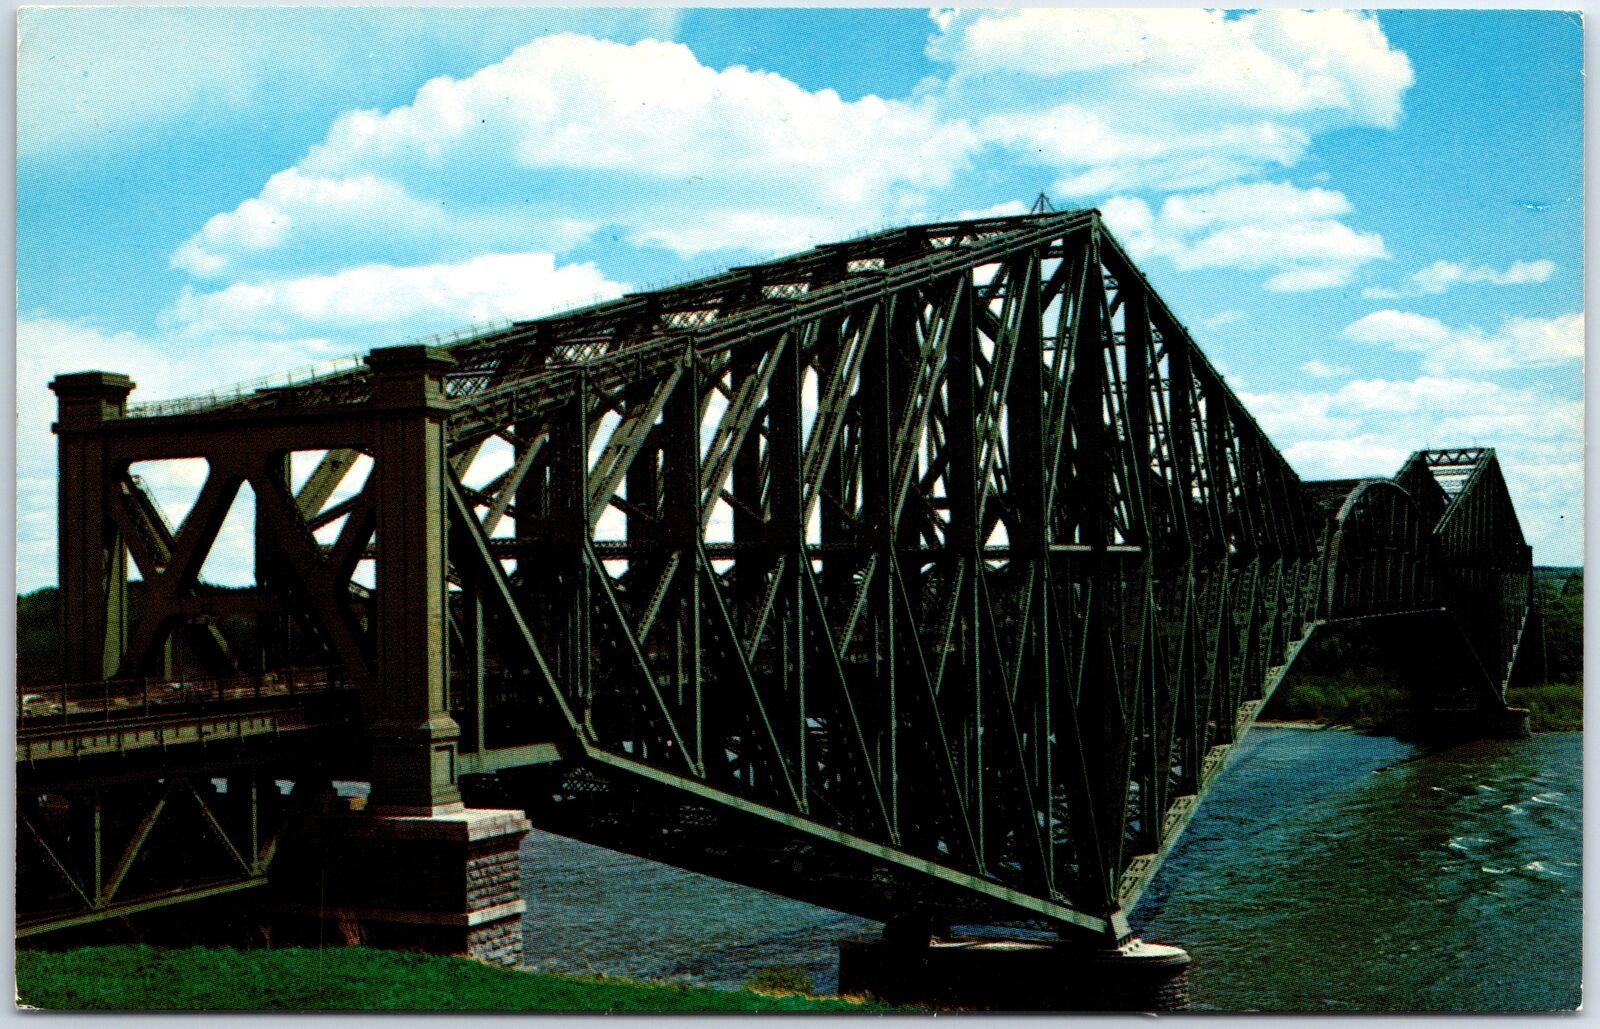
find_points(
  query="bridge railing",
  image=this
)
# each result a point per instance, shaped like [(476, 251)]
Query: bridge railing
[(70, 704)]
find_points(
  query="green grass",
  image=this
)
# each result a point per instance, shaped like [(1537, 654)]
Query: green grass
[(1553, 707), (1361, 704), (138, 978)]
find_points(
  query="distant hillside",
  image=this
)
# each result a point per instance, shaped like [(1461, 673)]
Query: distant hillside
[(1559, 593), (39, 635), (38, 656)]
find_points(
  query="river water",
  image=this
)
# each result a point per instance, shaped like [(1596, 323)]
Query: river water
[(1326, 871)]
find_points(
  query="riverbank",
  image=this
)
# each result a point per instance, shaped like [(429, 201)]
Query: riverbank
[(138, 978), (1553, 707), (1377, 708)]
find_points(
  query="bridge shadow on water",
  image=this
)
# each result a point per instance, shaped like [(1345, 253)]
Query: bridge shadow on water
[(598, 911)]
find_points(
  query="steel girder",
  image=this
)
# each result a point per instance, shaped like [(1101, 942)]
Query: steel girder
[(931, 575), (113, 847)]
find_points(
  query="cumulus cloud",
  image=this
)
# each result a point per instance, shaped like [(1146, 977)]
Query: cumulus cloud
[(566, 131), (303, 221), (1361, 455), (1272, 226), (562, 139), (1432, 410), (1368, 427), (1442, 275), (1273, 62), (416, 298), (1175, 99), (1519, 342), (95, 78), (1097, 157), (1222, 318)]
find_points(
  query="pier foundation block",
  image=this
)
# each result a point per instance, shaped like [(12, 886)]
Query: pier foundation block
[(1458, 725), (447, 883), (1017, 975)]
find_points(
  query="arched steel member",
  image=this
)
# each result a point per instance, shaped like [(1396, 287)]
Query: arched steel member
[(1439, 542), (1382, 558)]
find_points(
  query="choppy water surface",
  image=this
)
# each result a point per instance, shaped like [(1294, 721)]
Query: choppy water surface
[(1329, 870), (1326, 871)]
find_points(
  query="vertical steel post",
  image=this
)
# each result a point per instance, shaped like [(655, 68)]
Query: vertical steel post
[(1136, 356), (1100, 707), (963, 543), (877, 511), (92, 562), (412, 735), (680, 524), (272, 627)]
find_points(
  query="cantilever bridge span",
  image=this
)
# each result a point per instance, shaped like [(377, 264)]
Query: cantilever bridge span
[(929, 576)]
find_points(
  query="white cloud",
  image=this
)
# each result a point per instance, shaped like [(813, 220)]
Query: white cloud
[(574, 102), (1324, 371), (1272, 62), (1359, 456), (1006, 209), (1098, 157), (1222, 318), (1296, 415), (1429, 411), (299, 216), (1519, 342), (1442, 275), (487, 288), (1174, 99), (1275, 227), (763, 231), (91, 78), (1252, 204), (1368, 427), (647, 142), (582, 132)]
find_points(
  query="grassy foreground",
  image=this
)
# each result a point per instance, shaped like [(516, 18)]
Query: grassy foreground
[(134, 978)]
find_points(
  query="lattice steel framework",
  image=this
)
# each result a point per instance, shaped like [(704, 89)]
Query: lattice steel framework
[(930, 575)]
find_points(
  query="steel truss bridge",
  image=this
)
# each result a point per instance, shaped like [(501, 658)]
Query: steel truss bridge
[(930, 576)]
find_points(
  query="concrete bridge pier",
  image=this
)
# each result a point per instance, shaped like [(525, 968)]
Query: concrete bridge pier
[(1016, 975), (1455, 725), (414, 868), (445, 883)]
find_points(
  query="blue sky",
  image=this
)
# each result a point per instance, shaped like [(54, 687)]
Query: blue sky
[(1372, 224)]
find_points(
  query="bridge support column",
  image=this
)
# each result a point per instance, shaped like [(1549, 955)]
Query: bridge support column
[(1450, 725), (414, 870), (1017, 975), (412, 735), (92, 560), (441, 884)]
